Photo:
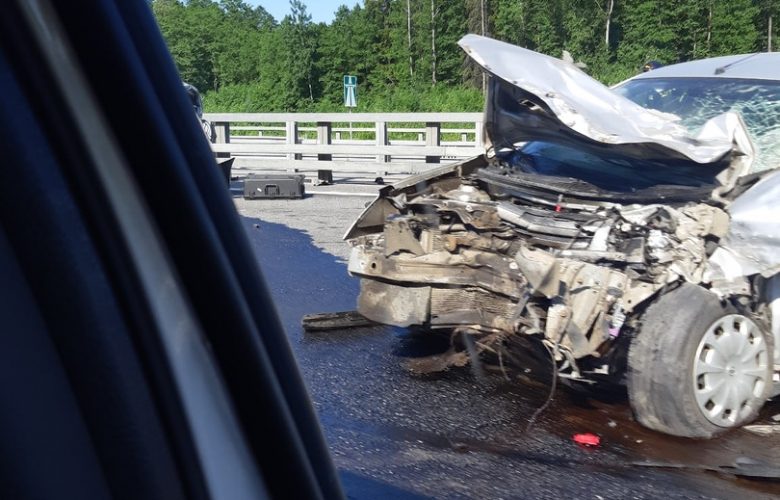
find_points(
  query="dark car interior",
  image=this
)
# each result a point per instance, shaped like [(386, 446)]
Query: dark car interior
[(142, 356)]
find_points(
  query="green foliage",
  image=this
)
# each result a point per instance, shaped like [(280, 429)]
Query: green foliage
[(299, 49), (648, 33), (251, 97), (734, 27), (768, 10), (342, 51), (405, 52)]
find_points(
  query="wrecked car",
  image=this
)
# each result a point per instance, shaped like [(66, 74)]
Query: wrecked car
[(630, 232)]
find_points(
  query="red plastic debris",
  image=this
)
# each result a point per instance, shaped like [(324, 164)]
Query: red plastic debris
[(559, 203), (586, 439)]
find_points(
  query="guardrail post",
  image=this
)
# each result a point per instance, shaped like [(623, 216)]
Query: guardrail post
[(479, 129), (381, 140), (223, 136), (323, 137), (433, 138), (291, 137)]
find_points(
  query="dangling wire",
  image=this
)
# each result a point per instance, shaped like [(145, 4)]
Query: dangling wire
[(553, 386), (471, 348), (501, 364)]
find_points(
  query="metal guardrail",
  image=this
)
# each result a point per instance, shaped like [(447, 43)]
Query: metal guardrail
[(350, 143)]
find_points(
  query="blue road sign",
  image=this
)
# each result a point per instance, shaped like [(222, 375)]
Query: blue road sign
[(350, 91)]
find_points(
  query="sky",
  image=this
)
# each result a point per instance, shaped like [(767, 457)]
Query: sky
[(321, 11)]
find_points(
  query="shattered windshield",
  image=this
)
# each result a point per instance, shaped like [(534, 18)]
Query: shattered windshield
[(696, 100)]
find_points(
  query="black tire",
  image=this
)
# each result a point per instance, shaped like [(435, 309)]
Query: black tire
[(661, 361)]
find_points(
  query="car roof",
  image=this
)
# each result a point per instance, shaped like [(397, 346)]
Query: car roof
[(760, 66)]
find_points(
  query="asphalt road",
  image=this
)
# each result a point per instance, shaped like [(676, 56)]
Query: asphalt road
[(463, 434)]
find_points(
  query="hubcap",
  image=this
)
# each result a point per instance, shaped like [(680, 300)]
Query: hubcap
[(731, 370)]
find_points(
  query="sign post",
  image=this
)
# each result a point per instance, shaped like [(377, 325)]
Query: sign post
[(350, 96)]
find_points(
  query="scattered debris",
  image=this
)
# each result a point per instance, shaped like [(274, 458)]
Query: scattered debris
[(586, 439), (612, 424), (763, 429), (324, 177), (274, 186), (750, 467), (742, 466), (334, 321), (435, 363)]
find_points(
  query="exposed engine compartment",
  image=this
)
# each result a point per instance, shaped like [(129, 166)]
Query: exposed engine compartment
[(471, 251)]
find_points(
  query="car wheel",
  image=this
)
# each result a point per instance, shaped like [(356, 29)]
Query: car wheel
[(697, 367)]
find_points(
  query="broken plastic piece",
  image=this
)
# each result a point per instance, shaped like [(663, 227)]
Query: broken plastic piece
[(558, 205), (587, 439), (763, 430), (334, 321), (618, 318)]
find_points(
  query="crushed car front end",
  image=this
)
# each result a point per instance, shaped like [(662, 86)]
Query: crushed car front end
[(576, 220), (479, 249)]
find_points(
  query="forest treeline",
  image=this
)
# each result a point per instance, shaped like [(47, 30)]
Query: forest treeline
[(405, 52)]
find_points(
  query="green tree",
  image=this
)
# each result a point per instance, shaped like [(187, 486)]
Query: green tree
[(238, 42), (405, 52), (183, 31), (478, 20), (547, 35), (299, 38), (734, 27), (450, 27), (511, 22), (345, 49), (648, 29), (767, 21)]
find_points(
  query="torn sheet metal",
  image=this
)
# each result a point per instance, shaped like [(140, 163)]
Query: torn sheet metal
[(571, 99), (753, 239)]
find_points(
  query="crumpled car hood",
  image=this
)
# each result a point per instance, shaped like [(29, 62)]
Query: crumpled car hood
[(548, 98)]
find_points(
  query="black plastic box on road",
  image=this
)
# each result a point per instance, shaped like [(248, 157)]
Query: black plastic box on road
[(273, 186), (325, 177)]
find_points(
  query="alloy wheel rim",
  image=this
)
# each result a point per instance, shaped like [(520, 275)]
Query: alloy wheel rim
[(730, 370)]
